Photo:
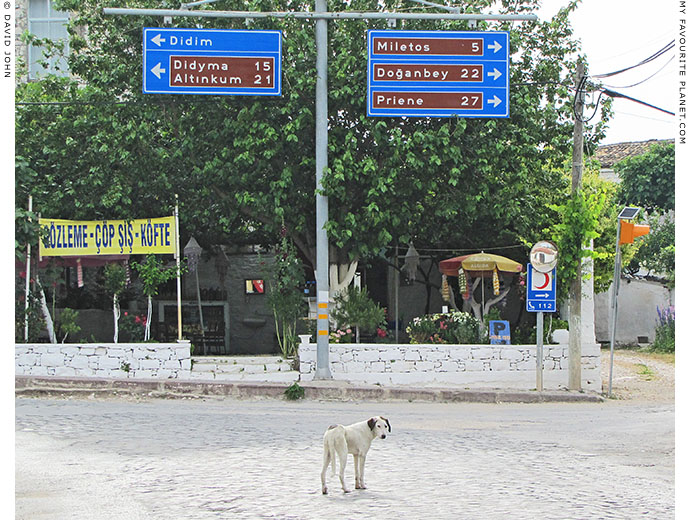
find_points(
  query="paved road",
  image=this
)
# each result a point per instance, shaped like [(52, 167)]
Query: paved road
[(260, 459)]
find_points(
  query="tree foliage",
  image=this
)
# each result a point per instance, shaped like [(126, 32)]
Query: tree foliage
[(648, 179), (244, 166), (657, 250)]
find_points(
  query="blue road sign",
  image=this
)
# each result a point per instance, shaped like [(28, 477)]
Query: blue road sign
[(438, 74), (212, 62), (541, 290)]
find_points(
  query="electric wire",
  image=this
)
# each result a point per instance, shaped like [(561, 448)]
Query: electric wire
[(649, 59), (646, 79), (614, 94), (462, 250)]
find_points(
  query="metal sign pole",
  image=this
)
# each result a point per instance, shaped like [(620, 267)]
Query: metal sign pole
[(540, 351), (323, 370), (614, 302), (28, 281), (177, 262)]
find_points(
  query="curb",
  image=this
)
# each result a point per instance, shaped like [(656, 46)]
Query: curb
[(335, 391)]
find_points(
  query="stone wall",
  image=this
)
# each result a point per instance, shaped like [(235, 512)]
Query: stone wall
[(123, 360), (470, 366)]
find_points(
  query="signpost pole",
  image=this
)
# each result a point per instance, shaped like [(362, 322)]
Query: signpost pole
[(540, 351), (177, 261), (323, 370), (614, 301), (541, 294), (28, 281)]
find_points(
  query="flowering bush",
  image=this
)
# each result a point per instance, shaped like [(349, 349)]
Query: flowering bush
[(341, 336), (448, 327), (134, 325), (665, 340)]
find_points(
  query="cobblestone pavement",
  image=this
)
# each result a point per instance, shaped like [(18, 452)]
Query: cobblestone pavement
[(101, 459)]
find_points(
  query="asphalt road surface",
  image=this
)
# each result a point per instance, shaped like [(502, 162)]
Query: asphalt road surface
[(99, 459)]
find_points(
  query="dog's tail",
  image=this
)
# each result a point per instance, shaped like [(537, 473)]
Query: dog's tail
[(332, 454)]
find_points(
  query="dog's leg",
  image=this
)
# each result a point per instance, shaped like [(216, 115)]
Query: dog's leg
[(362, 460), (341, 449), (326, 461), (358, 474)]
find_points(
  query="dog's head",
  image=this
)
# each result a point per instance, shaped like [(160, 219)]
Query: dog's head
[(380, 426)]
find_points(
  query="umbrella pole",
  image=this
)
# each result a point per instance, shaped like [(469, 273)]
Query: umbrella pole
[(482, 301)]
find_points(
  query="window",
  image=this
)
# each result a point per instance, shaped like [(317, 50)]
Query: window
[(46, 22)]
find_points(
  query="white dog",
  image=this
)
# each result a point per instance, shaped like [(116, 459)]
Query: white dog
[(356, 439)]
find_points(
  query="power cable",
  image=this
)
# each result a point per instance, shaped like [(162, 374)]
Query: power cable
[(654, 56), (462, 250), (646, 79), (614, 94)]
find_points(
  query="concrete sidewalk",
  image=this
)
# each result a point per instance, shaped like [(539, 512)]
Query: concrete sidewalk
[(313, 390)]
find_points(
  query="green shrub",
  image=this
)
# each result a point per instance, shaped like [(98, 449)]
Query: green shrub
[(449, 327), (294, 392), (67, 323)]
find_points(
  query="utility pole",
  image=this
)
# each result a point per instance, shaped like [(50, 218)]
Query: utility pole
[(575, 303)]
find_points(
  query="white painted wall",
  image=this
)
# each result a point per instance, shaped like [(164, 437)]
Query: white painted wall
[(114, 360), (468, 366), (637, 304)]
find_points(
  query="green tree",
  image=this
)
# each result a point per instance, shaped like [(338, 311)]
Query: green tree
[(152, 274), (657, 251), (648, 179), (285, 295), (115, 284), (244, 166), (68, 322)]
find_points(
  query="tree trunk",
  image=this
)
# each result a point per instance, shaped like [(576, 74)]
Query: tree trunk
[(147, 329), (340, 276), (116, 317), (46, 315)]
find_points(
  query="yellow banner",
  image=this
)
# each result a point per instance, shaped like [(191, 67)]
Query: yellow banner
[(107, 237)]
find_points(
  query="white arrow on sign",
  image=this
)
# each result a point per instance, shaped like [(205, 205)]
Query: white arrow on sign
[(157, 70), (495, 74), (495, 46), (157, 40), (495, 101)]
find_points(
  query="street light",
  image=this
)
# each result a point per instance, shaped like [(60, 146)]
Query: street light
[(193, 253), (625, 234)]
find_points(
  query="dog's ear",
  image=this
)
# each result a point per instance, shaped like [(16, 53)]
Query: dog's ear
[(372, 423), (387, 422)]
